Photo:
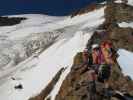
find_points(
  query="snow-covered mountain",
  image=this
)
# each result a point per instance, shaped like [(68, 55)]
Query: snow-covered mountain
[(33, 51)]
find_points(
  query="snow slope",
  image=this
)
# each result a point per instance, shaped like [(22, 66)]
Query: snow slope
[(126, 25), (36, 71), (118, 1), (130, 2), (125, 60), (81, 41)]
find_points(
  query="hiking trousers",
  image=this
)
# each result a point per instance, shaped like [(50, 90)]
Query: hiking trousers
[(92, 90)]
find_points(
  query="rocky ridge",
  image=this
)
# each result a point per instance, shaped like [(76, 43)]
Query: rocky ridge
[(7, 21), (75, 85)]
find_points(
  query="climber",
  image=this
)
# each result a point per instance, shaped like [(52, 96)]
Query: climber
[(103, 76), (92, 84), (107, 51), (85, 56), (97, 56), (95, 49), (104, 72), (105, 67)]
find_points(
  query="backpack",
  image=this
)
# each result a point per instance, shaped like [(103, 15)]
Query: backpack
[(90, 59), (104, 72)]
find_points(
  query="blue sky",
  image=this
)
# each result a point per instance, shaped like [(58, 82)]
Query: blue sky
[(50, 7)]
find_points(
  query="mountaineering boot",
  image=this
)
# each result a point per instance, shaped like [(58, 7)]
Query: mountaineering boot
[(108, 93)]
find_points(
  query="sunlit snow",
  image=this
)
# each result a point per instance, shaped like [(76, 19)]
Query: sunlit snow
[(126, 62), (63, 37), (126, 25), (118, 1), (130, 2)]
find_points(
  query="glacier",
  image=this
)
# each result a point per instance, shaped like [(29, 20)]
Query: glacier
[(38, 47)]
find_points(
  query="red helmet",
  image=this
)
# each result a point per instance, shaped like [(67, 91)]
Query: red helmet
[(104, 43)]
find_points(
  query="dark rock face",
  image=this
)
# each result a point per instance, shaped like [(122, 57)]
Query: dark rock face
[(122, 38), (115, 13), (75, 86), (6, 21), (118, 13)]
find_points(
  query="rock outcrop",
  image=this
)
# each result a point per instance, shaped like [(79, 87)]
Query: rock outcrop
[(115, 13), (75, 85), (7, 21)]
